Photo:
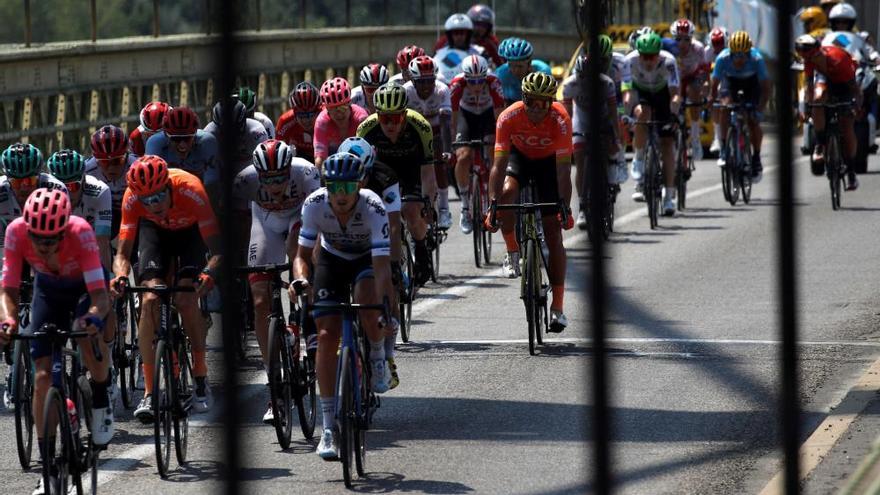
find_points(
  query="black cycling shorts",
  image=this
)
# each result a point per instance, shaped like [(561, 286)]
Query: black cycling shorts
[(473, 126), (157, 247), (750, 86), (659, 102), (542, 171), (837, 92), (335, 278)]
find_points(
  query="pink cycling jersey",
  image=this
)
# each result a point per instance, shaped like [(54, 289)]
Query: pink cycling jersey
[(327, 135), (78, 255), (488, 96)]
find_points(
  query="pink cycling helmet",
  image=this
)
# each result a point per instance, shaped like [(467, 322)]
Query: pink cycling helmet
[(335, 92), (46, 212)]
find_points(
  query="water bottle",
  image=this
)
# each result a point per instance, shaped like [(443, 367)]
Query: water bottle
[(74, 420)]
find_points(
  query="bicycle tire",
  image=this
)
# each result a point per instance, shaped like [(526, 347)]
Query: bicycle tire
[(733, 167), (344, 418), (650, 186), (487, 235), (362, 422), (745, 179), (162, 397), (183, 391), (435, 266), (133, 350), (85, 449), (725, 182), (65, 456), (408, 292), (680, 166), (306, 398), (528, 293), (540, 300), (120, 356), (832, 162), (476, 214), (22, 397), (280, 382)]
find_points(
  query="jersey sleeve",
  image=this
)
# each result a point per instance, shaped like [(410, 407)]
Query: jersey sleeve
[(502, 132), (244, 187), (763, 75), (496, 91), (426, 136), (105, 213), (89, 258), (456, 90), (207, 221), (626, 74), (319, 140), (154, 145), (569, 87), (563, 135), (445, 100), (132, 211), (311, 179), (672, 78), (12, 255), (718, 71), (380, 239), (308, 233)]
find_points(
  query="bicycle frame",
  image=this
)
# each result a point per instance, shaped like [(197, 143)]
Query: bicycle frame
[(835, 167)]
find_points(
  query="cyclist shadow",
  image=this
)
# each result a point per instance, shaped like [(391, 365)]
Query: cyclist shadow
[(195, 471), (412, 347), (264, 474), (386, 482)]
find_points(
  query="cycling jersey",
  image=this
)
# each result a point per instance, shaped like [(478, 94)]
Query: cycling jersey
[(840, 67), (291, 132), (202, 159), (489, 44), (580, 120), (754, 65), (510, 85), (267, 123), (189, 206), (9, 207), (448, 60), (304, 179), (366, 232), (437, 103), (414, 147), (118, 186), (78, 255), (254, 134), (551, 136), (328, 136), (359, 98), (398, 78), (96, 206), (709, 55), (693, 62), (383, 181), (488, 96), (860, 51), (637, 74), (137, 140), (615, 71)]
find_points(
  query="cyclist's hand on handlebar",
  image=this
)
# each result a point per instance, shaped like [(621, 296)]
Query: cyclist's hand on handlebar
[(91, 323), (8, 327), (117, 286), (298, 287), (204, 283), (446, 157), (489, 223), (566, 220)]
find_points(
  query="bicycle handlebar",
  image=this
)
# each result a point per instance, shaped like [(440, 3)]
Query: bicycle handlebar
[(160, 289), (525, 207), (51, 332), (843, 104), (269, 268), (473, 143)]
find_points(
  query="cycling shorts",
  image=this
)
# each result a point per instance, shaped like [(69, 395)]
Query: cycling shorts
[(750, 87), (697, 78), (335, 278), (157, 248), (836, 92), (542, 171), (471, 126), (659, 103), (268, 241)]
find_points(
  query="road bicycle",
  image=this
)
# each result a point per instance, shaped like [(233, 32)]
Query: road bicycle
[(479, 200), (653, 175), (736, 173), (684, 158), (606, 226), (835, 167), (126, 353)]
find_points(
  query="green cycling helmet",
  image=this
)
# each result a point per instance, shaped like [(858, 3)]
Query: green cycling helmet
[(649, 44), (390, 98), (606, 46), (21, 160), (247, 96), (67, 165)]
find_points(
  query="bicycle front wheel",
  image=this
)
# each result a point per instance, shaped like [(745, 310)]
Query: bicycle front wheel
[(280, 382), (59, 473), (408, 289), (476, 213), (22, 396), (162, 397), (345, 415), (652, 196), (733, 168), (183, 394), (835, 178), (306, 396), (529, 291)]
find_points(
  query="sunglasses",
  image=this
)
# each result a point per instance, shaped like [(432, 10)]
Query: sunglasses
[(180, 137), (113, 161), (475, 80), (537, 103), (342, 187), (46, 240), (392, 118), (649, 56), (74, 187), (274, 180), (155, 198), (24, 182), (306, 115), (682, 38)]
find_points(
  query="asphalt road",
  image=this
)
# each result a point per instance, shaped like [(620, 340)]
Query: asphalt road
[(694, 349)]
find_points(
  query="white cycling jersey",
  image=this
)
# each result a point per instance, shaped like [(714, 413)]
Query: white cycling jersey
[(431, 107), (615, 72), (366, 232), (692, 61), (448, 60), (861, 51), (359, 98), (709, 54), (267, 123), (663, 74), (254, 134), (96, 206), (9, 207), (117, 187), (304, 179)]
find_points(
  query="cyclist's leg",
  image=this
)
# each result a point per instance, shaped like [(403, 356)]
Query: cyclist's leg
[(515, 175), (152, 269), (440, 174), (366, 292), (820, 95), (267, 245), (695, 95), (463, 155), (547, 191), (191, 250)]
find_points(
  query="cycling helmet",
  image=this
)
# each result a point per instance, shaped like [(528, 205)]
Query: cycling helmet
[(21, 160), (481, 13), (46, 211), (273, 156), (360, 148), (374, 75), (475, 66), (343, 167), (67, 165), (422, 68), (335, 92), (682, 27), (539, 85), (580, 64), (247, 96), (108, 142), (806, 45), (516, 49), (390, 98), (305, 98), (606, 46), (740, 42), (649, 44), (718, 37), (843, 12), (147, 175), (813, 18), (239, 113), (406, 54), (153, 115), (181, 121), (458, 22), (635, 35)]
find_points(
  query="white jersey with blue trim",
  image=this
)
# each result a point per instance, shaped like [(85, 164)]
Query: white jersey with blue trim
[(96, 205), (366, 232), (9, 207), (118, 186)]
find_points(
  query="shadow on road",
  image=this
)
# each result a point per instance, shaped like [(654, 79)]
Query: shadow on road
[(384, 482)]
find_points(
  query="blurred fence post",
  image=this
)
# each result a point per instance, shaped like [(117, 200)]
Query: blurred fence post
[(423, 13), (93, 11), (347, 13), (385, 13), (155, 18), (259, 15), (208, 19), (27, 23), (302, 14)]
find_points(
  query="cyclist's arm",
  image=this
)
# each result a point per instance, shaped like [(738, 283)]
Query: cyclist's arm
[(8, 308), (445, 132), (127, 232), (9, 293), (214, 248), (496, 175), (100, 303), (122, 261), (382, 279), (301, 262), (563, 178), (103, 226)]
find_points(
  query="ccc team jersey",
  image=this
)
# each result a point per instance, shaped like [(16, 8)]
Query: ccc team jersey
[(551, 136)]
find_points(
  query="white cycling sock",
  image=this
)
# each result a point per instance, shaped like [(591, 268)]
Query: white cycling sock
[(377, 350), (640, 154), (327, 412), (444, 198), (718, 132), (670, 192)]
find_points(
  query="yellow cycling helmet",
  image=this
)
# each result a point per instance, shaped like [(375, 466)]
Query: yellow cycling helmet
[(539, 84), (740, 42), (813, 18)]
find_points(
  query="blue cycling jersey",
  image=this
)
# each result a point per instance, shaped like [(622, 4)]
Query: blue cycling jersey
[(510, 85), (201, 160), (754, 65)]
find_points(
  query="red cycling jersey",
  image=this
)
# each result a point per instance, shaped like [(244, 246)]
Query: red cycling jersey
[(551, 136), (78, 255), (489, 95), (291, 132), (839, 66), (189, 206)]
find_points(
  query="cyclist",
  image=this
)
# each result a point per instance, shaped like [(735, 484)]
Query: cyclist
[(834, 81), (518, 53), (404, 57), (109, 162), (297, 126), (477, 100), (827, 5), (372, 76), (169, 212), (404, 141), (651, 92), (274, 187), (717, 44), (459, 33), (430, 97), (183, 145), (63, 253), (352, 260), (382, 180), (693, 71), (814, 21), (533, 142), (152, 117), (635, 35), (483, 18), (249, 132), (339, 119), (247, 96), (742, 68)]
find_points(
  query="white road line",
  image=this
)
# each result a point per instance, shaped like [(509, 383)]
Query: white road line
[(650, 340)]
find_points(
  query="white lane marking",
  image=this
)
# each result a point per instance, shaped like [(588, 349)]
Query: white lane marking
[(650, 340)]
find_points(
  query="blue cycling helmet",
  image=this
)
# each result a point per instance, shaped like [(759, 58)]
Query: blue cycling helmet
[(360, 148), (515, 49), (343, 167)]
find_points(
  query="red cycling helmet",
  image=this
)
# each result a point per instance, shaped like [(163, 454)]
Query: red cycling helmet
[(147, 175), (422, 67), (718, 37), (406, 54), (273, 156), (181, 121), (46, 211), (109, 142), (153, 115), (305, 98), (335, 92)]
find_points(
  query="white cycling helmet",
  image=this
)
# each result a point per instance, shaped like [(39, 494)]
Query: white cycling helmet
[(842, 12), (458, 22), (475, 66), (360, 148)]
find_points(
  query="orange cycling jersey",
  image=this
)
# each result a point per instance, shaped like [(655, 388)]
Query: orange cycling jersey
[(551, 136), (189, 205)]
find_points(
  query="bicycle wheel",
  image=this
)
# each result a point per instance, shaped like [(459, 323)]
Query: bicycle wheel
[(681, 165), (280, 381), (745, 178), (732, 168), (120, 356), (438, 238), (408, 289), (540, 298), (362, 417), (162, 397), (832, 162), (22, 396), (246, 324), (86, 452), (63, 461), (306, 395), (133, 352), (651, 186), (345, 415), (182, 388), (528, 294), (476, 213)]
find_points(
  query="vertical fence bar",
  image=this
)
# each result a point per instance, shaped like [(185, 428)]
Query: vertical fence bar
[(518, 14), (93, 11), (385, 13), (259, 15), (209, 18), (347, 13), (423, 13), (302, 14), (155, 18), (27, 23), (789, 416)]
